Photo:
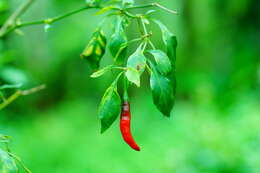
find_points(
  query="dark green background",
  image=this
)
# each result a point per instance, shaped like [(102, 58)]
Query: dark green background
[(215, 125)]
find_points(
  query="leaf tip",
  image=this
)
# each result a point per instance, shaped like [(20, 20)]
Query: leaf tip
[(167, 114), (102, 130)]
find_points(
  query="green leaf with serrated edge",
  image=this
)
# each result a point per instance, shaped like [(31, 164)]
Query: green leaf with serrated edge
[(162, 91), (162, 60), (133, 76), (110, 106), (118, 44), (170, 41), (9, 165), (101, 71), (95, 49), (137, 60)]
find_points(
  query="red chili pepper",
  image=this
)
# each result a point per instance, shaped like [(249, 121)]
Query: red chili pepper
[(125, 121)]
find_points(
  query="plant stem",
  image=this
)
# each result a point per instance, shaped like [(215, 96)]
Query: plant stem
[(149, 69), (151, 44), (144, 27), (140, 26), (33, 90), (11, 20), (44, 21), (155, 4), (19, 93), (126, 84), (164, 8), (10, 99), (12, 25), (20, 161), (120, 68)]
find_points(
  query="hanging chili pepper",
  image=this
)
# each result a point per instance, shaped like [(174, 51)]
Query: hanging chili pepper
[(125, 123)]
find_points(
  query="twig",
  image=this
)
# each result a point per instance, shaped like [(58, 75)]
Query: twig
[(33, 90), (19, 93), (164, 8), (10, 99), (12, 25), (20, 161), (151, 44), (44, 21), (155, 4), (11, 20)]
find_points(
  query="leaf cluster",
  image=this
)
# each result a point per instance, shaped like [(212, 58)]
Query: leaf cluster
[(160, 64)]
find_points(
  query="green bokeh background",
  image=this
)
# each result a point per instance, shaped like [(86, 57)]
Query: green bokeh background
[(215, 125)]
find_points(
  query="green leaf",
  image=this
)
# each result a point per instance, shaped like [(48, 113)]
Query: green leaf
[(101, 71), (162, 91), (170, 41), (9, 165), (95, 49), (162, 60), (13, 76), (133, 76), (118, 44), (110, 107), (14, 86), (136, 61)]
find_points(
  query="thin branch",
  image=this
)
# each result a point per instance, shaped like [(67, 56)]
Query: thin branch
[(20, 161), (151, 44), (164, 8), (19, 93), (144, 26), (12, 25), (140, 6), (139, 23), (33, 90), (11, 20), (44, 21), (10, 99), (155, 4)]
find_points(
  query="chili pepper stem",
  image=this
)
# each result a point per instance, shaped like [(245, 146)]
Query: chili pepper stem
[(126, 84)]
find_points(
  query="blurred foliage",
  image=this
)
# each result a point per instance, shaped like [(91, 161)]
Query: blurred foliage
[(215, 124)]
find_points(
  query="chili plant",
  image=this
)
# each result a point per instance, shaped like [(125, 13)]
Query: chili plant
[(160, 64)]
